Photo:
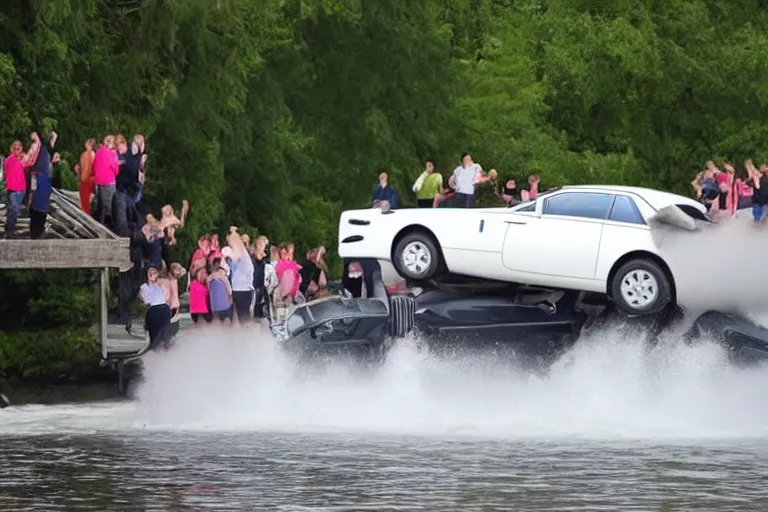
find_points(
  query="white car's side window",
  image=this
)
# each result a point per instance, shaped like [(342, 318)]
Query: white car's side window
[(590, 205), (625, 210)]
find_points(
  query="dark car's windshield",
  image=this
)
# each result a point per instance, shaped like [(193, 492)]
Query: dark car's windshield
[(297, 320), (325, 310)]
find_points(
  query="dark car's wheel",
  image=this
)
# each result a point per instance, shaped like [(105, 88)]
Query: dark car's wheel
[(641, 287), (416, 257)]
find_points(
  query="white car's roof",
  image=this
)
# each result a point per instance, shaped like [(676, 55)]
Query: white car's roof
[(656, 198)]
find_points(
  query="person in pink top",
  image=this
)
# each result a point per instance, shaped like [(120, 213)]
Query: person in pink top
[(105, 169), (742, 191), (200, 256), (288, 281), (15, 185), (199, 308), (288, 276)]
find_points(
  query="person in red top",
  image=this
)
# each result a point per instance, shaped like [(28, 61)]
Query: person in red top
[(84, 172), (14, 168), (105, 169)]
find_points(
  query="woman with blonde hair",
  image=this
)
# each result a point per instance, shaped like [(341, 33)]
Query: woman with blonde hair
[(241, 276), (259, 259), (84, 171), (105, 169), (169, 280), (289, 281), (271, 280)]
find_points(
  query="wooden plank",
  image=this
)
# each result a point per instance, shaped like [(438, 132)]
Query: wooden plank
[(75, 211), (94, 253), (72, 195), (58, 225), (80, 228)]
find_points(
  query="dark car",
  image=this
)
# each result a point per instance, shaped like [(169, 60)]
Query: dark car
[(746, 341), (467, 314), (464, 314), (348, 323)]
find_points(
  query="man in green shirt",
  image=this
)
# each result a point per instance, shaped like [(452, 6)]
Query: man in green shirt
[(428, 186)]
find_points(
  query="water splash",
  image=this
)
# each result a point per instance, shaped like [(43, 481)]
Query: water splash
[(611, 384)]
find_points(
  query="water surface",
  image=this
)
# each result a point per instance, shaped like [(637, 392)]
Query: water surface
[(226, 422)]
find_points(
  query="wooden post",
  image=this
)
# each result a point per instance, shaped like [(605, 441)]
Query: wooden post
[(103, 311), (121, 376)]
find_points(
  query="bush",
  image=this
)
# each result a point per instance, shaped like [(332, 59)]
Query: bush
[(47, 354)]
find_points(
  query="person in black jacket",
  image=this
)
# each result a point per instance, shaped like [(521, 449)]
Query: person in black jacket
[(128, 188), (261, 297), (358, 275)]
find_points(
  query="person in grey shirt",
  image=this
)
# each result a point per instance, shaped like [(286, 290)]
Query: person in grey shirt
[(465, 178), (241, 277)]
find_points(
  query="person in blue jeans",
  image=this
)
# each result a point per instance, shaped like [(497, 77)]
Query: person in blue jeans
[(15, 185)]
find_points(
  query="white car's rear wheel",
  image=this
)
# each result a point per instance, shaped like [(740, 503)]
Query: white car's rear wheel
[(416, 257), (641, 287)]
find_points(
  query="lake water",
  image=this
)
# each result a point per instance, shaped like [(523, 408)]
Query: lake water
[(226, 422)]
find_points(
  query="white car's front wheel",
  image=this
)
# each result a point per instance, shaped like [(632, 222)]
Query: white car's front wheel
[(641, 287), (416, 257)]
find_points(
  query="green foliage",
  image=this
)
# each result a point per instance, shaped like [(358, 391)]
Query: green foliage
[(46, 354), (278, 114), (47, 299)]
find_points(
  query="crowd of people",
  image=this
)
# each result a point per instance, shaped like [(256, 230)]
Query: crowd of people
[(240, 281), (724, 191), (28, 182), (461, 190), (244, 281), (111, 181)]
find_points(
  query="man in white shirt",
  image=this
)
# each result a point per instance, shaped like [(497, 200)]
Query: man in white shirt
[(465, 178)]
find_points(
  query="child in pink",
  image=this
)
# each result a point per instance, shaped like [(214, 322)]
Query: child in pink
[(288, 277), (198, 298)]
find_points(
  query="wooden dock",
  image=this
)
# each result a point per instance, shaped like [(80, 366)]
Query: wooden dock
[(119, 341), (75, 240)]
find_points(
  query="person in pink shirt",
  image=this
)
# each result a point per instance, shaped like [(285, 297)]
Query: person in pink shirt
[(14, 168), (289, 280), (288, 276), (744, 194), (200, 256), (105, 169), (198, 298)]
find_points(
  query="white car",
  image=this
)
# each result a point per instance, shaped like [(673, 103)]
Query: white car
[(588, 238)]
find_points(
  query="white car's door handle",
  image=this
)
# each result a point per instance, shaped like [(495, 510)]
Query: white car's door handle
[(517, 222)]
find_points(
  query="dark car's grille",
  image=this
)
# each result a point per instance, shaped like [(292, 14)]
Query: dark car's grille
[(403, 315)]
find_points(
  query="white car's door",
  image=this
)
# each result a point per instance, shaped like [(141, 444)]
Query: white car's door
[(562, 238)]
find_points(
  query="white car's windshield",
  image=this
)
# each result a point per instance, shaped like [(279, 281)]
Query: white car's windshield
[(524, 206)]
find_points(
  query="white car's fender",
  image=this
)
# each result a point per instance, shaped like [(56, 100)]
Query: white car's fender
[(373, 233)]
